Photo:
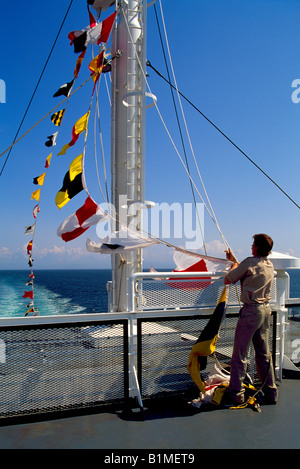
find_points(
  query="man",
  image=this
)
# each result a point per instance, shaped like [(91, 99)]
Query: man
[(255, 274)]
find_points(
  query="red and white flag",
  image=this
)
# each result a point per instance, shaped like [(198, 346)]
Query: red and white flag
[(192, 262), (92, 35), (77, 223), (36, 211)]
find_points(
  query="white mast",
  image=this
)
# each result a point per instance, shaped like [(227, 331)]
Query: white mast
[(128, 138)]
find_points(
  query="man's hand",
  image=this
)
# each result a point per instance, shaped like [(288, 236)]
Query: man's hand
[(230, 256)]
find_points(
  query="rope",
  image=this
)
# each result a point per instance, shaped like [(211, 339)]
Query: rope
[(188, 135), (122, 263), (44, 117), (179, 126), (58, 105), (251, 399), (175, 148), (116, 217), (36, 87), (97, 119)]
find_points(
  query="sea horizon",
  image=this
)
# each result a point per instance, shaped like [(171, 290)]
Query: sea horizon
[(72, 291)]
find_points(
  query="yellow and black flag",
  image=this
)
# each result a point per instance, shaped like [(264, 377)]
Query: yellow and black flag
[(39, 180), (206, 343), (31, 310), (72, 183), (57, 117)]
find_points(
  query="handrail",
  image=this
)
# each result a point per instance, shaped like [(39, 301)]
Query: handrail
[(192, 275), (292, 302), (166, 275)]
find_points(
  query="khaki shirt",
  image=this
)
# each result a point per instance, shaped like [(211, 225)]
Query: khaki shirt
[(256, 275)]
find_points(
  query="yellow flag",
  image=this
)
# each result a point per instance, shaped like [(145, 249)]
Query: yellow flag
[(36, 195), (48, 159), (64, 149), (81, 124), (78, 128), (96, 66), (75, 167)]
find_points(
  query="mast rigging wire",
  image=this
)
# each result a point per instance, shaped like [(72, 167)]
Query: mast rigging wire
[(16, 140), (148, 63), (211, 214), (37, 85), (97, 119), (46, 115), (179, 126), (188, 135)]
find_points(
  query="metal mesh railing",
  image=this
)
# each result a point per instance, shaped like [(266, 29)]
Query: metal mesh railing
[(175, 293), (164, 346), (84, 364), (63, 366)]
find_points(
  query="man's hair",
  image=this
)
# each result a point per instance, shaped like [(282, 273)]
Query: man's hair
[(263, 243)]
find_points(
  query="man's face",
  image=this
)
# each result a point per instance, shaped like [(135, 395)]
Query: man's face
[(254, 249)]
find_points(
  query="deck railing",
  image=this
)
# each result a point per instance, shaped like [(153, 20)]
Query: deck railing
[(54, 363)]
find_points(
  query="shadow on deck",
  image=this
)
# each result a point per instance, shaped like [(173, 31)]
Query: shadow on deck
[(166, 424)]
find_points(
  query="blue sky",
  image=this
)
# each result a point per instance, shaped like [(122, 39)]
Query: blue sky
[(235, 60)]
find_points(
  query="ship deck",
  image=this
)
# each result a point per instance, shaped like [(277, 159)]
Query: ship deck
[(166, 424)]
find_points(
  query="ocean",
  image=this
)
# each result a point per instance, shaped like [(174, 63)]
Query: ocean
[(60, 292), (56, 292)]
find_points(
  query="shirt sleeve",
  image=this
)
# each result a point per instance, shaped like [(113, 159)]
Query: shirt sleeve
[(238, 273)]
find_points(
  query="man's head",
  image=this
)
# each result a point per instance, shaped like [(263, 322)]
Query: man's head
[(262, 245)]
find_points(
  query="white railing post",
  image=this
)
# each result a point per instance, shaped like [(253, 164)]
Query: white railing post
[(281, 296)]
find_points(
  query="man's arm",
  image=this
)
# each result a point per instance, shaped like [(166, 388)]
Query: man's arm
[(232, 258)]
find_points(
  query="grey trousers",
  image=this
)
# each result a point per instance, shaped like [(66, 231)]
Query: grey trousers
[(253, 325)]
